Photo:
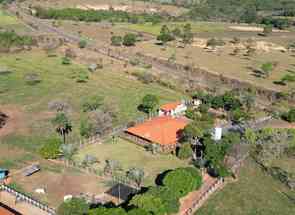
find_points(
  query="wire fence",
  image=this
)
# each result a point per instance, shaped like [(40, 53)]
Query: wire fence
[(25, 198)]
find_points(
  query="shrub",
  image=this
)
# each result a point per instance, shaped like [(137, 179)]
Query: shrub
[(215, 42), (66, 61), (185, 151), (129, 39), (32, 79), (267, 30), (289, 116), (144, 77), (82, 44), (75, 206), (51, 148), (80, 76), (181, 181), (116, 40), (92, 103)]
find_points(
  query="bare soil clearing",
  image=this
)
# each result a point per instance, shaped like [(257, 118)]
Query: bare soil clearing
[(254, 29), (16, 122)]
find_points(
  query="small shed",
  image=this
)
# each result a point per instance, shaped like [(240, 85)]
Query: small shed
[(121, 192), (31, 170), (3, 173)]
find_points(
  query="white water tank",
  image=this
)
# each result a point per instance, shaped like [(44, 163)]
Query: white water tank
[(217, 133)]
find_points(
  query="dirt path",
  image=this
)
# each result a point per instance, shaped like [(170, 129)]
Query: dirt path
[(16, 121)]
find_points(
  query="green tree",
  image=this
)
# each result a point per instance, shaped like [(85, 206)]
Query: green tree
[(149, 203), (51, 148), (68, 151), (250, 136), (62, 124), (290, 115), (116, 40), (150, 103), (107, 211), (267, 30), (169, 199), (129, 39), (82, 44), (75, 206), (181, 181), (266, 69), (188, 36), (185, 151), (165, 35), (137, 211)]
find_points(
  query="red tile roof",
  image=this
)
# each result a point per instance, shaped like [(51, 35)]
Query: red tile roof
[(5, 210), (163, 130), (170, 106)]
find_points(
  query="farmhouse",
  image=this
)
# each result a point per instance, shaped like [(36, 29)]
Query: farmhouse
[(172, 109), (162, 130)]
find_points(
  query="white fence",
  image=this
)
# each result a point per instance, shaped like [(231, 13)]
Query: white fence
[(23, 197)]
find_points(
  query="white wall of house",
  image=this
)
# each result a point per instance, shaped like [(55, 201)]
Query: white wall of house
[(179, 110)]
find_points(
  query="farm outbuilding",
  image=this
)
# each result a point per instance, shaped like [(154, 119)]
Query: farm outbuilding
[(163, 130)]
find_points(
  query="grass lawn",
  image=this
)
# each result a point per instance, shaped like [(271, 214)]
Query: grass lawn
[(11, 23), (124, 92), (6, 19), (130, 155), (254, 193), (287, 164), (197, 27)]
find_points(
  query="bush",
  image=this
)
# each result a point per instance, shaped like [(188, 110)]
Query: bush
[(185, 151), (51, 148), (129, 39), (215, 42), (32, 79), (92, 103), (181, 181), (289, 116), (75, 206), (82, 44), (116, 40), (144, 77), (66, 61)]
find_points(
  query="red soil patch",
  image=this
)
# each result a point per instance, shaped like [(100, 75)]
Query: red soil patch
[(15, 122)]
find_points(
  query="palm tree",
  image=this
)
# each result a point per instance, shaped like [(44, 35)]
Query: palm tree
[(63, 125)]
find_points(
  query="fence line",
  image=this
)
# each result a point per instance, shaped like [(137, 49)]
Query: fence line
[(217, 184), (27, 199)]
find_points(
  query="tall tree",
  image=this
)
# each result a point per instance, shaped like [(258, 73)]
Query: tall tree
[(63, 125), (150, 103)]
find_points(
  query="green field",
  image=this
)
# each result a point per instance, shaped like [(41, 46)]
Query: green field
[(255, 193), (122, 91), (6, 19), (130, 155)]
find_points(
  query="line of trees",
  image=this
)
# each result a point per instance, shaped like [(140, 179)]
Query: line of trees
[(77, 14)]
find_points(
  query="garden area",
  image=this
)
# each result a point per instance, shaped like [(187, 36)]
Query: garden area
[(129, 155)]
